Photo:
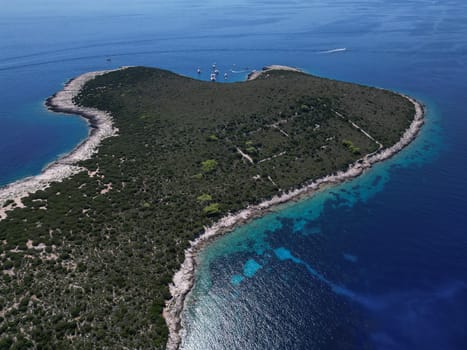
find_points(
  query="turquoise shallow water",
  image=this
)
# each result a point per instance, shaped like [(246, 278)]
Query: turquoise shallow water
[(378, 262)]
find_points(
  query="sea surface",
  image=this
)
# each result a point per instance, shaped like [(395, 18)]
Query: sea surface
[(376, 263)]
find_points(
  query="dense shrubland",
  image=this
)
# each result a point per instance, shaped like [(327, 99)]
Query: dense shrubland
[(104, 247)]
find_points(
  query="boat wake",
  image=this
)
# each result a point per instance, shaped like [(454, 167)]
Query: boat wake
[(334, 50)]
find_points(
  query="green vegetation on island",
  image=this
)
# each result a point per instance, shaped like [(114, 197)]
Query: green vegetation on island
[(87, 263)]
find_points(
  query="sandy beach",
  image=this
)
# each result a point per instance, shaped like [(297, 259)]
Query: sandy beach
[(184, 279), (101, 127)]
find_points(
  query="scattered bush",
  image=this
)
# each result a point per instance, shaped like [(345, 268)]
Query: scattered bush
[(351, 147), (212, 209), (209, 165), (204, 198)]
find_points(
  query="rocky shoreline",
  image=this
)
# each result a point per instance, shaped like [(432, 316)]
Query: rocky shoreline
[(256, 73), (101, 127), (184, 279)]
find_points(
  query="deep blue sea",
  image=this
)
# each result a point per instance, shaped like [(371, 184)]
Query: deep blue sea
[(376, 263)]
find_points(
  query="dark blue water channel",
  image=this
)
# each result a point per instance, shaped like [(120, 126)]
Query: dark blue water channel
[(376, 263)]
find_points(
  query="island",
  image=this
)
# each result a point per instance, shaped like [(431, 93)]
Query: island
[(99, 251)]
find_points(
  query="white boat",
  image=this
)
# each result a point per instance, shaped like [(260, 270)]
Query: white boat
[(213, 77)]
